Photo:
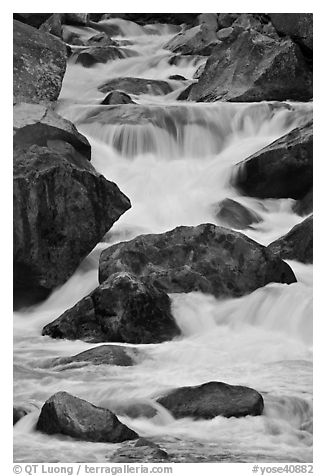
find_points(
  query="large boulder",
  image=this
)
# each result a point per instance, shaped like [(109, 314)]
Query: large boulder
[(199, 40), (121, 309), (283, 169), (299, 26), (297, 244), (62, 209), (32, 19), (205, 258), (211, 399), (38, 124), (68, 415), (102, 355), (39, 64), (136, 86), (254, 67), (231, 213), (92, 55)]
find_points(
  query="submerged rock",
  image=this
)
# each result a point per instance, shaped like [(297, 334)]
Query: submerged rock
[(136, 86), (206, 258), (62, 208), (117, 97), (39, 64), (121, 309), (144, 451), (235, 215), (87, 57), (297, 244), (283, 169), (72, 416), (102, 355), (211, 399), (254, 67)]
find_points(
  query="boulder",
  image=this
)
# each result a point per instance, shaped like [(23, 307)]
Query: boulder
[(32, 19), (206, 258), (254, 67), (283, 169), (150, 18), (39, 64), (68, 415), (117, 97), (304, 206), (299, 26), (297, 244), (38, 124), (233, 214), (102, 355), (226, 19), (121, 309), (77, 19), (53, 25), (143, 451), (87, 57), (177, 77), (101, 39), (136, 86), (212, 399), (62, 208), (199, 40), (18, 413)]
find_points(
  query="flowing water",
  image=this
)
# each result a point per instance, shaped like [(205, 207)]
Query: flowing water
[(174, 160)]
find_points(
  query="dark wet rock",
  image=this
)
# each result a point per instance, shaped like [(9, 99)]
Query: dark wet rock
[(299, 26), (211, 399), (68, 415), (297, 244), (205, 258), (117, 97), (305, 205), (39, 64), (81, 19), (62, 208), (38, 124), (254, 67), (101, 39), (136, 86), (144, 451), (185, 93), (150, 18), (121, 309), (226, 19), (177, 77), (101, 54), (102, 355), (199, 40), (18, 413), (283, 169), (235, 215), (53, 25), (32, 19)]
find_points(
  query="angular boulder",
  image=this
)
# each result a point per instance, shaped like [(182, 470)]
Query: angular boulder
[(212, 399), (39, 64), (62, 209), (299, 26), (121, 309), (87, 57), (254, 67), (71, 416), (206, 258), (283, 169), (102, 355), (199, 40), (38, 124), (233, 214), (136, 86), (297, 244)]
